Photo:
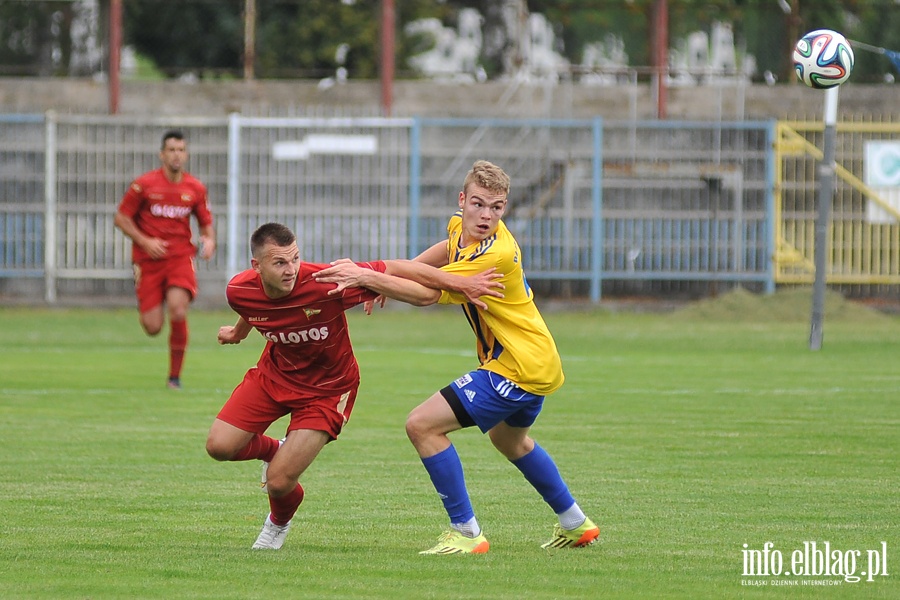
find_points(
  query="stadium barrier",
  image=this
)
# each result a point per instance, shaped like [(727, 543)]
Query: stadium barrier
[(598, 206), (865, 224)]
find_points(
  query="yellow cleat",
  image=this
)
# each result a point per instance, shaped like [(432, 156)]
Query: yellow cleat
[(585, 535), (454, 542)]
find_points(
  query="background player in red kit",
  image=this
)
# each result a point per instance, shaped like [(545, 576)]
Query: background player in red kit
[(156, 214), (307, 368)]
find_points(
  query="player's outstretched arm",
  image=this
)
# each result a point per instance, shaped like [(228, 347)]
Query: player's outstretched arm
[(436, 256), (346, 273), (473, 287)]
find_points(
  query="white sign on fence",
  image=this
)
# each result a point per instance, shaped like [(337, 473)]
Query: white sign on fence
[(881, 171), (325, 144)]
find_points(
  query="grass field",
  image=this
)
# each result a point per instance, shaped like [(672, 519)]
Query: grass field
[(684, 437)]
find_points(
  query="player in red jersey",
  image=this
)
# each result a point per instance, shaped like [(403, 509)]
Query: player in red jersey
[(307, 369), (155, 213)]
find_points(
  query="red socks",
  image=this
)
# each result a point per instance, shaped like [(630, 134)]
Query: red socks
[(260, 447), (263, 447), (178, 338), (282, 509)]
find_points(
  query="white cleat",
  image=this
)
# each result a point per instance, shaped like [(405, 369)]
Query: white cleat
[(272, 536)]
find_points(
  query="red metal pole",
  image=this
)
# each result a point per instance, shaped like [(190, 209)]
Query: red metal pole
[(115, 46), (249, 38), (661, 54), (387, 56)]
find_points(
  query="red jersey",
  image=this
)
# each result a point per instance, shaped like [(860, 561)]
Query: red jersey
[(308, 345), (162, 209)]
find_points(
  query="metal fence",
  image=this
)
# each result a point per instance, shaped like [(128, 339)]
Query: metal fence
[(595, 204), (865, 225)]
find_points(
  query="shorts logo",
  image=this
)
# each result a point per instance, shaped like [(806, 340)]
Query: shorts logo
[(505, 387), (470, 394), (464, 380)]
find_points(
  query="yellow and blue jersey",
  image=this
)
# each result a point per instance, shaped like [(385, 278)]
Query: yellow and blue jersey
[(511, 336)]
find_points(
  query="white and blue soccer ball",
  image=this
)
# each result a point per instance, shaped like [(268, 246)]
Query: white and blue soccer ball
[(823, 59)]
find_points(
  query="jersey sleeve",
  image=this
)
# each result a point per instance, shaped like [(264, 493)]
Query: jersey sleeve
[(131, 201), (240, 288), (201, 208)]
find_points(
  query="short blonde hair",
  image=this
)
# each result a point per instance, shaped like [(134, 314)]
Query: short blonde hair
[(489, 176)]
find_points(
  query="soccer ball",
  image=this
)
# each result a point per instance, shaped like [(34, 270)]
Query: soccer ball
[(823, 59)]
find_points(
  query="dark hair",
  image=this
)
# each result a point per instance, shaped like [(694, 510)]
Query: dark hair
[(271, 233), (172, 134)]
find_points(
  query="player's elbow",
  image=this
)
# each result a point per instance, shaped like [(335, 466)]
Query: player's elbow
[(421, 302), (427, 298)]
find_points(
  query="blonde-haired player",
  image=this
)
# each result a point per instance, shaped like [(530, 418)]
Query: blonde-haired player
[(520, 363)]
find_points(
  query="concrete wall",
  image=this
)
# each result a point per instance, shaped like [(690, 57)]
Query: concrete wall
[(417, 98)]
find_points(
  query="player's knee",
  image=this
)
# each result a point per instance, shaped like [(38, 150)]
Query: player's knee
[(279, 484), (151, 329), (509, 450), (416, 427), (217, 451), (151, 322), (410, 428), (513, 448)]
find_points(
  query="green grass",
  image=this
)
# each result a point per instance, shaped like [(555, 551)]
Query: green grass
[(683, 438)]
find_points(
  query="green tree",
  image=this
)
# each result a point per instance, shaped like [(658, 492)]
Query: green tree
[(186, 35), (761, 27), (879, 26), (302, 38), (294, 38)]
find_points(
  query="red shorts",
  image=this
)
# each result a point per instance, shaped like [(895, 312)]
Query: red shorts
[(153, 277), (257, 402)]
